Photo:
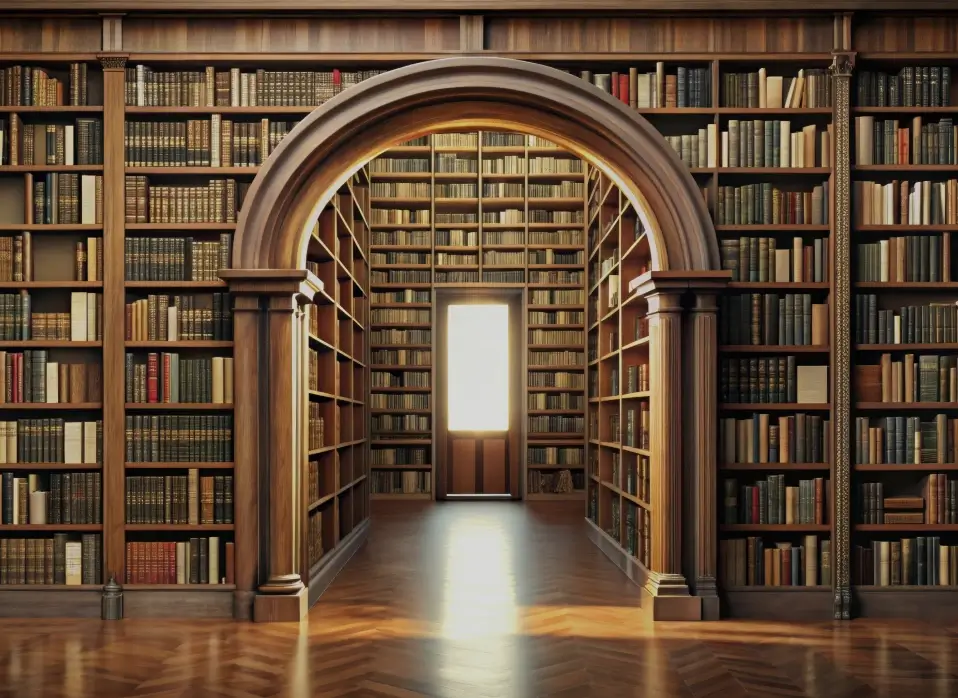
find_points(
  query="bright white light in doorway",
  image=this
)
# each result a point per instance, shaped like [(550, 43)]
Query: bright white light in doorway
[(478, 367)]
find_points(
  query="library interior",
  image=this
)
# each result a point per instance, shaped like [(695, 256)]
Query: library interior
[(446, 349)]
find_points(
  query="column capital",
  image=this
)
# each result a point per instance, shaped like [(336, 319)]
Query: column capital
[(113, 61), (843, 64), (273, 282)]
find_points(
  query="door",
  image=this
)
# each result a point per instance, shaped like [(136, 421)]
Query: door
[(478, 428)]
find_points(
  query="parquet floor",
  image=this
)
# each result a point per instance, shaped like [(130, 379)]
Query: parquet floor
[(476, 599)]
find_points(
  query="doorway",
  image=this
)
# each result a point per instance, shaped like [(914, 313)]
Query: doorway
[(478, 409)]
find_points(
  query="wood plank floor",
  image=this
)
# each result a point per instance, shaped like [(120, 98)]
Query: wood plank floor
[(476, 599)]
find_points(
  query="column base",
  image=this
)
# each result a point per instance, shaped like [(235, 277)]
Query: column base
[(281, 608), (671, 599)]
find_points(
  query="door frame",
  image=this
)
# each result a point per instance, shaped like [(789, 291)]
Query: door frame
[(514, 297)]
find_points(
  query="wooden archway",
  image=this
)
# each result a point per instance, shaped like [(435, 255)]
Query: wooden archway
[(269, 281)]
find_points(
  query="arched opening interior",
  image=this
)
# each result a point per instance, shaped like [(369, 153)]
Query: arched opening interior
[(282, 217)]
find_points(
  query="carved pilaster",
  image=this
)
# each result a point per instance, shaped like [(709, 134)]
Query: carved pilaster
[(665, 377), (841, 72), (702, 394)]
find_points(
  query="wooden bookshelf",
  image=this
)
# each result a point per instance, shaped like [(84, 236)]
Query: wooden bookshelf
[(619, 490), (335, 491), (467, 243)]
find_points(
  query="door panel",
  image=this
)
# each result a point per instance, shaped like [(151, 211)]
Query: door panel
[(463, 465), (494, 465)]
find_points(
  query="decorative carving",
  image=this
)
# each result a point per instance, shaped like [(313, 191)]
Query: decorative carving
[(841, 71), (113, 61)]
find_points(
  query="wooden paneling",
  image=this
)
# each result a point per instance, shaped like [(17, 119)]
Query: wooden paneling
[(462, 470), (661, 34), (904, 34), (290, 35), (494, 466), (60, 34)]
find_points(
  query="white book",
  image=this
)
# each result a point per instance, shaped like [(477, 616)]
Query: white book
[(193, 496), (74, 563), (786, 140), (72, 442), (798, 260), (214, 560), (762, 88), (3, 442), (182, 555), (883, 265), (783, 266), (91, 317), (92, 270), (78, 318), (89, 442), (12, 442), (811, 384), (38, 507), (712, 161), (53, 383), (218, 379), (172, 326), (68, 140), (216, 126), (88, 199), (16, 500), (773, 92)]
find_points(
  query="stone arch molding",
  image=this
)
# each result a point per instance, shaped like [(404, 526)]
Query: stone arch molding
[(449, 94)]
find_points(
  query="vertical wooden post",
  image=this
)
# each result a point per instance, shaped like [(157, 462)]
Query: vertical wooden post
[(114, 433), (702, 392)]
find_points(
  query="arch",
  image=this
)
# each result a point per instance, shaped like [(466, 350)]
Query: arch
[(449, 94)]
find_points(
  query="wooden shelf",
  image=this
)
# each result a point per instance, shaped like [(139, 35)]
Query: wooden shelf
[(176, 465), (38, 285), (176, 587), (48, 344), (774, 407), (779, 285), (181, 227), (775, 528), (774, 466), (400, 496), (59, 528), (181, 344), (773, 349), (51, 227), (888, 406), (186, 528), (184, 170), (179, 406), (193, 285), (50, 466), (402, 466), (906, 528), (54, 406), (943, 346)]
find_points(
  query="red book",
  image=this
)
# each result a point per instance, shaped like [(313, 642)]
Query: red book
[(786, 578), (152, 378), (230, 558), (171, 567), (614, 85), (167, 392), (756, 505), (129, 563), (624, 87), (337, 80)]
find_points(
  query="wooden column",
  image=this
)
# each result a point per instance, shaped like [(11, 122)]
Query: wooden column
[(114, 322), (841, 361), (701, 416), (666, 583), (269, 389)]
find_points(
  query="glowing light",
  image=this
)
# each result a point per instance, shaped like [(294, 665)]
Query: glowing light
[(478, 367)]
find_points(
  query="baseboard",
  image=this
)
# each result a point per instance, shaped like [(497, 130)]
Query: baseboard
[(50, 603), (324, 576), (612, 550), (930, 604), (178, 604), (762, 603)]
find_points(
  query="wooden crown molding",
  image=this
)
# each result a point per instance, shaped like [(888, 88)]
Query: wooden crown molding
[(670, 6), (273, 282)]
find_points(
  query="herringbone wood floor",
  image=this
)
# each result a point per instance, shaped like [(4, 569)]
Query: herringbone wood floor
[(476, 599)]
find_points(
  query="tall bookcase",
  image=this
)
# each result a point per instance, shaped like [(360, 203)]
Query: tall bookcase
[(51, 351), (335, 496), (477, 209), (619, 453)]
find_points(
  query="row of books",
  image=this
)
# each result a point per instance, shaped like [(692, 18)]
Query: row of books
[(51, 440), (169, 378), (179, 438), (400, 482), (401, 357), (556, 358), (556, 401), (556, 424), (556, 379), (555, 455), (933, 323), (59, 198), (753, 561), (163, 318), (810, 88), (200, 560), (28, 377), (900, 202), (407, 401), (920, 561), (316, 427), (556, 297), (401, 422), (493, 257), (403, 276), (54, 498), (556, 337), (935, 505), (179, 499), (772, 380), (686, 88), (33, 86), (905, 440), (400, 315), (761, 259), (926, 378), (216, 142), (398, 337), (765, 438), (145, 87), (910, 258), (56, 560), (407, 295), (400, 455), (51, 144), (912, 86), (788, 319), (314, 537), (555, 481), (772, 143), (175, 259), (883, 142), (18, 320), (771, 501), (767, 204), (218, 201), (563, 278), (401, 258)]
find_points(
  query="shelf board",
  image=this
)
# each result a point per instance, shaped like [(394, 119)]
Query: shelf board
[(330, 496), (549, 411), (635, 344), (181, 344), (787, 588), (904, 168), (774, 466), (775, 528), (48, 344), (54, 587), (198, 528), (51, 227), (51, 406), (402, 466), (574, 496), (631, 497), (577, 369), (175, 587), (554, 466), (62, 108), (779, 285), (553, 389), (942, 346), (399, 410), (50, 466), (869, 588), (177, 284), (906, 528), (639, 451), (773, 349), (80, 285), (638, 395), (886, 406), (906, 285), (221, 110), (903, 228), (77, 528), (904, 467), (400, 389), (181, 227), (171, 465), (773, 227), (775, 406), (179, 406), (398, 496), (400, 442), (183, 170)]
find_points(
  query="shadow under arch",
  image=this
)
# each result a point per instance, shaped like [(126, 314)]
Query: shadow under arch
[(269, 281)]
